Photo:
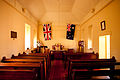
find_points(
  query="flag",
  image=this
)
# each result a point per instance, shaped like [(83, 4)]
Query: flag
[(47, 31), (70, 31)]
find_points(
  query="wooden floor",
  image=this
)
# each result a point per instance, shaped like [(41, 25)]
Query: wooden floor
[(57, 71)]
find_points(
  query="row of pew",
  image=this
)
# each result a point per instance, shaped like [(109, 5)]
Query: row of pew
[(32, 66), (88, 66), (79, 55), (81, 66)]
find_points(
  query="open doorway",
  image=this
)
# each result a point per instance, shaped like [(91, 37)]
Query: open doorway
[(27, 36), (104, 47)]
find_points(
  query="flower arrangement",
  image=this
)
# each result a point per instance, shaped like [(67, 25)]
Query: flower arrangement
[(57, 46), (39, 43)]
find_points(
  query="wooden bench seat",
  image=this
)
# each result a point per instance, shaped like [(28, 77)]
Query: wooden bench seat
[(34, 57), (23, 60), (46, 55), (39, 61), (23, 66), (31, 57), (20, 74), (34, 54), (94, 70), (26, 57), (87, 66), (79, 56)]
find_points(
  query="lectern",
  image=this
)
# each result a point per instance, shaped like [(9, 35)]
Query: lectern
[(81, 46)]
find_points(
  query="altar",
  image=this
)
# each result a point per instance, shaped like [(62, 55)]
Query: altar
[(57, 54)]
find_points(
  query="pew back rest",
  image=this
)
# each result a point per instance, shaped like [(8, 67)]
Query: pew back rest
[(84, 56), (98, 65), (27, 57), (90, 64), (12, 74)]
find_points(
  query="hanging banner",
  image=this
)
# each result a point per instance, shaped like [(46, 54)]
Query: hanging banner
[(70, 31), (47, 31)]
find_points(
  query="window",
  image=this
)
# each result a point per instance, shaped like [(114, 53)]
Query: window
[(27, 36), (35, 39), (90, 37), (104, 46)]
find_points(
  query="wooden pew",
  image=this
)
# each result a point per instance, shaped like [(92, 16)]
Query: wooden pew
[(79, 64), (26, 57), (39, 61), (33, 57), (84, 56), (29, 57), (79, 56), (23, 67), (5, 60), (12, 74), (89, 71), (34, 54), (46, 55)]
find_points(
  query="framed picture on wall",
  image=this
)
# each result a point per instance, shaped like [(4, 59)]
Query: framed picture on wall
[(13, 34), (103, 26)]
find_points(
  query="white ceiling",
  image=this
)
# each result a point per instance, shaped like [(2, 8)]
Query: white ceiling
[(59, 10)]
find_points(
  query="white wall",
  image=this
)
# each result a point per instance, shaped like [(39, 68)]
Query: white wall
[(111, 15), (13, 20)]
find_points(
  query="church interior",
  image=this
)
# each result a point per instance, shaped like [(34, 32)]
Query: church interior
[(58, 39)]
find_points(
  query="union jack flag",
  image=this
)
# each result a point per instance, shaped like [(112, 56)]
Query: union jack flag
[(47, 31), (68, 27)]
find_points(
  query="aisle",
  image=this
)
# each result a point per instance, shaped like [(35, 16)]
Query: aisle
[(57, 71)]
